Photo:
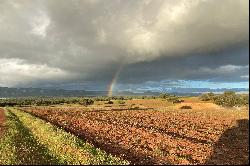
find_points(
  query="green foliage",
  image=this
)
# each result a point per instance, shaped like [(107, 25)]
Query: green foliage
[(245, 99), (227, 99), (19, 147), (207, 96), (46, 101), (143, 97), (110, 102), (121, 102), (231, 99), (164, 95), (105, 98), (174, 99), (86, 102), (170, 98)]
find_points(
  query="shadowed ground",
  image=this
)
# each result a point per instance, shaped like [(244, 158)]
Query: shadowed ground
[(233, 146)]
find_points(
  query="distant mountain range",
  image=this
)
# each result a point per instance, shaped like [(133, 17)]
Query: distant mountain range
[(36, 92), (203, 90)]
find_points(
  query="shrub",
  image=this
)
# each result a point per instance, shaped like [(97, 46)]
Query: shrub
[(121, 102), (86, 102), (174, 100), (230, 99), (186, 107), (110, 102), (207, 96), (245, 99), (164, 95)]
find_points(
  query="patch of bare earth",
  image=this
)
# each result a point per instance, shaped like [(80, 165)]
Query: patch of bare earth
[(2, 120)]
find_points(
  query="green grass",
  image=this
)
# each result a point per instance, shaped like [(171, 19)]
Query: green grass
[(18, 146), (7, 148), (47, 144)]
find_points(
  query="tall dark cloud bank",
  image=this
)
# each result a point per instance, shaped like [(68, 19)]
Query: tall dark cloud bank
[(82, 43)]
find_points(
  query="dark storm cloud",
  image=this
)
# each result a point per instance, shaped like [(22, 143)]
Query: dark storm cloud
[(225, 66), (78, 43)]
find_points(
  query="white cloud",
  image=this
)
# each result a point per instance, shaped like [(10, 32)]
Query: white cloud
[(40, 24), (245, 76), (15, 72), (223, 69)]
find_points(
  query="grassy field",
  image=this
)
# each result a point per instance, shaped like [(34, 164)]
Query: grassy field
[(139, 131)]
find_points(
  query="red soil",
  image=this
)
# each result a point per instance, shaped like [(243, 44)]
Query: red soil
[(2, 120), (153, 137)]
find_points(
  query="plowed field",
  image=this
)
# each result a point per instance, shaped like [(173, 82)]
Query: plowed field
[(2, 120), (155, 137)]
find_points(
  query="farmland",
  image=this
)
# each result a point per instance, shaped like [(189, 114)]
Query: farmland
[(136, 131), (2, 119)]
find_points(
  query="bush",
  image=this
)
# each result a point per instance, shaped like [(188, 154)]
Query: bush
[(207, 96), (245, 99), (86, 102), (110, 102), (230, 99), (174, 100), (121, 102), (164, 95), (186, 107)]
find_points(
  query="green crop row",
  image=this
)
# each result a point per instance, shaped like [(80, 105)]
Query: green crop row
[(43, 143)]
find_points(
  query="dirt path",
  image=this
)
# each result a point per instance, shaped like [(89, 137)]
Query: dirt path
[(2, 120)]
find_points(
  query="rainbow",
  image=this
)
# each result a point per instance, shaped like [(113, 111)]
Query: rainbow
[(113, 82)]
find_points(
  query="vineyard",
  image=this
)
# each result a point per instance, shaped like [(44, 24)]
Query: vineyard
[(149, 131)]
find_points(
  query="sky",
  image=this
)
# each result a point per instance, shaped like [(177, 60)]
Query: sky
[(124, 45)]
